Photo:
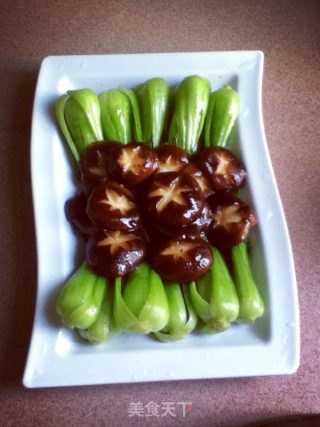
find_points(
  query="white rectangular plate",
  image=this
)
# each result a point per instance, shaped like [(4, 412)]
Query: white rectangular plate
[(56, 356)]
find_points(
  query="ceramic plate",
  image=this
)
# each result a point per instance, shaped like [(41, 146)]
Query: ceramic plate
[(57, 357)]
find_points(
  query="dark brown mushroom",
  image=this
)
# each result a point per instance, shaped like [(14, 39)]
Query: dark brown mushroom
[(76, 214), (115, 253), (173, 199), (171, 158), (133, 163), (196, 229), (182, 261), (94, 163), (203, 182), (112, 206), (224, 171), (232, 220)]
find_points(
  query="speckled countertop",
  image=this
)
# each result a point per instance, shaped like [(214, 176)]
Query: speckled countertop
[(289, 34)]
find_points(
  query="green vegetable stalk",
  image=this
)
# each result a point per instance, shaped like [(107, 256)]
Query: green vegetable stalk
[(190, 107), (153, 97), (221, 116), (80, 299), (78, 115), (251, 303), (120, 116), (214, 297), (182, 317), (142, 305), (116, 116), (137, 132), (104, 326)]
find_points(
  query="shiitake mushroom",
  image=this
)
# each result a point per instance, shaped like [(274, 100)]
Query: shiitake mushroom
[(133, 163), (112, 206), (195, 229), (232, 219), (181, 260), (114, 253), (76, 214), (224, 171), (171, 158), (173, 198), (94, 163), (203, 182)]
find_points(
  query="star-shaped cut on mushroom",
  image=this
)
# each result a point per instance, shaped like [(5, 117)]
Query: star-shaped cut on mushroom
[(202, 182), (169, 193), (178, 250), (100, 169), (117, 202), (131, 161), (226, 216), (117, 240), (223, 164), (169, 165)]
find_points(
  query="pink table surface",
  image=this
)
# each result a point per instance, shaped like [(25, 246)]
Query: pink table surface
[(289, 34)]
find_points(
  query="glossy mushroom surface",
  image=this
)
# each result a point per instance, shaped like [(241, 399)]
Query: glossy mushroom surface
[(203, 182), (195, 229), (182, 260), (133, 163), (171, 158), (224, 171), (94, 163), (112, 206), (231, 220), (173, 199), (115, 253), (76, 214)]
